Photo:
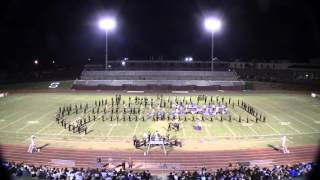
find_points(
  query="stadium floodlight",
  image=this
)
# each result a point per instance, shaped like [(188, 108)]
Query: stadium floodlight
[(107, 24), (213, 25), (53, 62), (314, 95), (35, 62), (125, 59), (188, 59), (123, 63)]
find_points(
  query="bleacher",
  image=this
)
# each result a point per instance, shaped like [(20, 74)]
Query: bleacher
[(159, 80), (159, 75)]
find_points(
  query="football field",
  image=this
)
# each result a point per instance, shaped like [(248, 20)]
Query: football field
[(294, 115)]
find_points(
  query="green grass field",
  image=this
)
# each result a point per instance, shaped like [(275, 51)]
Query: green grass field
[(295, 115)]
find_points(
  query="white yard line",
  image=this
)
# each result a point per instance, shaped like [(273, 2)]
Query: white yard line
[(183, 132), (294, 129), (18, 130), (89, 127), (207, 131), (60, 132), (45, 127), (308, 117), (279, 120), (19, 119), (135, 128), (231, 131), (305, 124), (38, 119), (109, 132), (276, 131), (254, 131), (297, 120), (8, 116)]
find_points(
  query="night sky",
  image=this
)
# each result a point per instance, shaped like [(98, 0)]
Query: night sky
[(68, 31)]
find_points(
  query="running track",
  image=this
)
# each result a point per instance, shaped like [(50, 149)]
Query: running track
[(174, 160)]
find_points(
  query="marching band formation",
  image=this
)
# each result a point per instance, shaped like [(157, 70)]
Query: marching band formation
[(175, 110)]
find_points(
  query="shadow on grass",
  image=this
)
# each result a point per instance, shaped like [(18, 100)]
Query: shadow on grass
[(89, 132), (41, 147), (273, 147)]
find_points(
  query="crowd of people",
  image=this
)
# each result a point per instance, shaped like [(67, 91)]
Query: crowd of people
[(44, 172), (229, 173), (244, 173)]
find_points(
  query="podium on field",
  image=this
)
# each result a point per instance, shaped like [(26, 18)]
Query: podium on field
[(158, 142)]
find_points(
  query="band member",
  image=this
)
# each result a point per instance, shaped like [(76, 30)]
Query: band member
[(32, 145), (284, 146)]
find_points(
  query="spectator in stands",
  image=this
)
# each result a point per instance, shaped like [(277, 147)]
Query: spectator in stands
[(44, 172)]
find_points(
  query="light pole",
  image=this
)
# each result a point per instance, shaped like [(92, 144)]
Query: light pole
[(107, 24), (213, 25)]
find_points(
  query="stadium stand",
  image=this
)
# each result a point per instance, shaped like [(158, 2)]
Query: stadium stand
[(159, 75), (159, 80)]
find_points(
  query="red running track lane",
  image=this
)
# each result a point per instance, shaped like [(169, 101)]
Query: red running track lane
[(174, 160)]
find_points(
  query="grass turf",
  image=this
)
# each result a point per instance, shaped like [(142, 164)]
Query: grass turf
[(295, 115)]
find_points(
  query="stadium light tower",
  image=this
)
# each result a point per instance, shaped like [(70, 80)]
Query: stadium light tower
[(213, 25), (107, 25)]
